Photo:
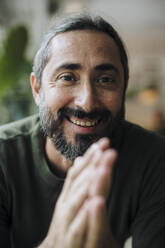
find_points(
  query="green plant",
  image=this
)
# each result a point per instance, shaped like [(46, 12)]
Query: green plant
[(13, 64), (15, 69)]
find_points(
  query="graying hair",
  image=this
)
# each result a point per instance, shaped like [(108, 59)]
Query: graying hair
[(78, 22)]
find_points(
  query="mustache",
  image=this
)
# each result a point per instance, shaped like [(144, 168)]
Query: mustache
[(95, 114), (53, 123)]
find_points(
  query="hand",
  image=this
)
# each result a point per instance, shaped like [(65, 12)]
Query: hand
[(75, 222), (99, 234)]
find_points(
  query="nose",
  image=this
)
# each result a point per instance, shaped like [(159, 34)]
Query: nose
[(86, 97)]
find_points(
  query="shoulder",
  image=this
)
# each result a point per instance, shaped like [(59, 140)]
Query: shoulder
[(21, 127), (141, 152), (17, 139), (142, 139), (138, 181), (141, 161)]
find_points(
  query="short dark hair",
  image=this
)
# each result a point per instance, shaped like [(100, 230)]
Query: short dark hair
[(78, 22)]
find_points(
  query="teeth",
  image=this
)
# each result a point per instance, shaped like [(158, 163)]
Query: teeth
[(85, 124)]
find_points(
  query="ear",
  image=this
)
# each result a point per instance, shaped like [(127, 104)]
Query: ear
[(35, 88)]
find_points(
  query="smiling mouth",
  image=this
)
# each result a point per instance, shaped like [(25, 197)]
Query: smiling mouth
[(84, 123)]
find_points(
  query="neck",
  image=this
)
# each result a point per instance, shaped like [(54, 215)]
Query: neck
[(59, 165)]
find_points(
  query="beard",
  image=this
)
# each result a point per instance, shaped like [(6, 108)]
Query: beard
[(51, 126)]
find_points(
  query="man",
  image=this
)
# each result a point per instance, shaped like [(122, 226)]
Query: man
[(79, 175)]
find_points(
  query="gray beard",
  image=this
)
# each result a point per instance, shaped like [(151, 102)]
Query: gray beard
[(51, 127)]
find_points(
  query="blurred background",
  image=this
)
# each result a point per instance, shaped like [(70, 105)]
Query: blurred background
[(140, 23)]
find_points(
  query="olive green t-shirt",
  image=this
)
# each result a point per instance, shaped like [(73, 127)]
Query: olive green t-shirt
[(29, 190)]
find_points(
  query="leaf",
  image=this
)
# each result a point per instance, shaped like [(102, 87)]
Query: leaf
[(12, 59)]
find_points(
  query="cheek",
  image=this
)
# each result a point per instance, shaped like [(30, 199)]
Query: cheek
[(57, 98), (113, 101)]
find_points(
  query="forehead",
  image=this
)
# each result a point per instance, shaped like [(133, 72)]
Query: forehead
[(84, 43)]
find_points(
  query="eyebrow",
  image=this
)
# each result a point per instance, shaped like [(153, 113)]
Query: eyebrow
[(77, 66), (106, 67), (69, 66)]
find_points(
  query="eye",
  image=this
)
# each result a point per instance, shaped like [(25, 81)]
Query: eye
[(106, 79), (67, 77)]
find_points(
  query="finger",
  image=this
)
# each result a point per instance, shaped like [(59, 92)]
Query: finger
[(81, 183), (74, 204), (89, 159), (74, 232), (78, 191), (81, 162), (100, 184), (96, 212), (104, 143), (100, 168), (78, 227), (86, 175), (68, 210)]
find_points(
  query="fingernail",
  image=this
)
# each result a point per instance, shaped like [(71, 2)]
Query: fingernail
[(103, 140)]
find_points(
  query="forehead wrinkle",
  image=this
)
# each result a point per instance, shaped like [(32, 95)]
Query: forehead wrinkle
[(63, 44)]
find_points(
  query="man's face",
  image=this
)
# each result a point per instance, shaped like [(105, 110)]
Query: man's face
[(81, 97)]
